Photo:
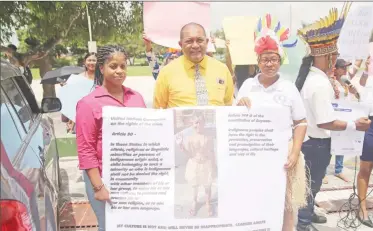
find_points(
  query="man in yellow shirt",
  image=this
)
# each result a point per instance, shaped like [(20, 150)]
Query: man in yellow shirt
[(194, 79)]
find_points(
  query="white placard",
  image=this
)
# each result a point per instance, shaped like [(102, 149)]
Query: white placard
[(156, 162), (92, 47), (77, 86), (348, 143), (354, 38)]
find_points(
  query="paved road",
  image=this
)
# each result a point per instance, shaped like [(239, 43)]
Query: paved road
[(73, 189)]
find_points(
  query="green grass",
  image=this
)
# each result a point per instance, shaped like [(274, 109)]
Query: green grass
[(139, 71), (131, 71)]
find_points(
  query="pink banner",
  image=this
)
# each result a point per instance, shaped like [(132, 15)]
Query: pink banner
[(370, 68), (163, 20)]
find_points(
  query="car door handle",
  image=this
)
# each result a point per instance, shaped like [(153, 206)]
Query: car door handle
[(41, 154)]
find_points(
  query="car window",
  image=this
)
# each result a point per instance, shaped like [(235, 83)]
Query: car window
[(18, 102), (10, 134)]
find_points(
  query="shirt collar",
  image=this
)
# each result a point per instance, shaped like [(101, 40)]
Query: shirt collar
[(318, 71), (101, 91), (269, 88), (189, 64)]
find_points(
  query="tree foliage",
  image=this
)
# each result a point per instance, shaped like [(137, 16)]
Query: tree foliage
[(47, 24)]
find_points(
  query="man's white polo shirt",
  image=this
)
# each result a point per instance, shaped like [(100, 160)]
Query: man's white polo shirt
[(282, 92), (318, 94)]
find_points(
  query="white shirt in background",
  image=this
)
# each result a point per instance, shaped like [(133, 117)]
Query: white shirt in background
[(318, 94), (282, 93)]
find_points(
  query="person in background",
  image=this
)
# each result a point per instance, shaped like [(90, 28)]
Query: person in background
[(194, 79), (366, 159), (153, 62), (341, 91), (317, 94), (240, 72), (265, 88), (15, 58), (110, 74), (90, 60)]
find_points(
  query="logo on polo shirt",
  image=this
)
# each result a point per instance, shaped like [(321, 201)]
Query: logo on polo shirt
[(220, 81), (281, 99)]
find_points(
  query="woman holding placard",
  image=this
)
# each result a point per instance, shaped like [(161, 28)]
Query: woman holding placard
[(110, 74), (268, 88)]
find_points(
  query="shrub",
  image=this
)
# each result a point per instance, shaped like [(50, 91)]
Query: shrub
[(61, 62)]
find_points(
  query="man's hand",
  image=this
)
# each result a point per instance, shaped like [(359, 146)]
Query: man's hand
[(244, 102), (367, 62), (352, 89), (363, 124), (227, 43)]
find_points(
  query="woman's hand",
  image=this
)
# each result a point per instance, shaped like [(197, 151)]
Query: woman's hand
[(244, 102), (292, 161), (234, 78), (103, 195), (147, 41)]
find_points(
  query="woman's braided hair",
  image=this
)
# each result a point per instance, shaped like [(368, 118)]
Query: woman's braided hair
[(103, 54)]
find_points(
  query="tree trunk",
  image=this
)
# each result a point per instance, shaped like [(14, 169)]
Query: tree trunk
[(45, 66)]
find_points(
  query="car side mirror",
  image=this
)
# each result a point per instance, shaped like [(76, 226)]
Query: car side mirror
[(49, 105)]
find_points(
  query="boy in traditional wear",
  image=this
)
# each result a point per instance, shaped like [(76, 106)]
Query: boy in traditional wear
[(317, 93)]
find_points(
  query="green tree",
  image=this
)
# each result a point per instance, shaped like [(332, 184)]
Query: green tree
[(47, 24)]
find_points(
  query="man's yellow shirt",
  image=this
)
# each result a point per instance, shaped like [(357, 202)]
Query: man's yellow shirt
[(175, 85)]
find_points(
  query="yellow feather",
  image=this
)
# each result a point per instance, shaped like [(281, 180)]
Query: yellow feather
[(279, 32)]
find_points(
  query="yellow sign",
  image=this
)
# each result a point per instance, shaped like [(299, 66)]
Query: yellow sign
[(239, 30)]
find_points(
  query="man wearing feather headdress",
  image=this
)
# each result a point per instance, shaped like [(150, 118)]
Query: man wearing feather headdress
[(269, 88), (318, 94)]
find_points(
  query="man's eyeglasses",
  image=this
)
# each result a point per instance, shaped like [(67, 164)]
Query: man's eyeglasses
[(266, 61)]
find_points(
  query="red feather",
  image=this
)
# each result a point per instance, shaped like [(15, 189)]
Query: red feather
[(265, 44), (268, 19), (284, 35)]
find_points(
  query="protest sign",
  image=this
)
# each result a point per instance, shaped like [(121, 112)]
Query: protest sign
[(77, 86), (239, 30), (353, 42), (202, 168), (348, 143), (164, 20)]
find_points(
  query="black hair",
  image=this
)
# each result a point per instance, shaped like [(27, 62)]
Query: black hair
[(13, 47), (303, 72), (103, 54), (242, 73), (191, 24), (89, 54)]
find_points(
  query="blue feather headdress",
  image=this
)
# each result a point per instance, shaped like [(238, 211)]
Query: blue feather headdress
[(272, 28)]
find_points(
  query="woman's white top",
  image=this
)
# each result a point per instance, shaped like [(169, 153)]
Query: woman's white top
[(281, 93)]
